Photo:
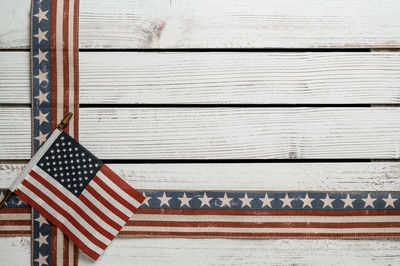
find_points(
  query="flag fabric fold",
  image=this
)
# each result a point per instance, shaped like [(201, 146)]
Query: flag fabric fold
[(79, 194)]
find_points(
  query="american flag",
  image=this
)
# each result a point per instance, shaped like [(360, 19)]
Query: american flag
[(79, 194)]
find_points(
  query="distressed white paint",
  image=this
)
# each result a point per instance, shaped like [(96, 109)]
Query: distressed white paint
[(257, 176), (220, 77), (159, 251), (221, 133), (223, 23)]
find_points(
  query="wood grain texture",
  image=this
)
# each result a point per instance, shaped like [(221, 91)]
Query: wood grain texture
[(220, 77), (221, 133), (142, 251), (258, 176), (222, 24)]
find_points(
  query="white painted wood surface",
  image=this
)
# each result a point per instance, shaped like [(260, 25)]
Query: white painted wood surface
[(217, 133), (221, 133), (159, 251), (220, 77), (223, 23), (257, 176)]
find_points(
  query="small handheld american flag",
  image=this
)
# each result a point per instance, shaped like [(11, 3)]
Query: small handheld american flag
[(74, 190)]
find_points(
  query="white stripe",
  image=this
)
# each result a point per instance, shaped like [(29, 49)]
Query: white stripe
[(59, 56), (15, 227), (81, 204), (103, 208), (62, 219), (68, 209), (70, 252), (36, 158), (71, 63), (60, 247), (110, 198), (117, 189), (15, 216), (267, 218), (261, 230)]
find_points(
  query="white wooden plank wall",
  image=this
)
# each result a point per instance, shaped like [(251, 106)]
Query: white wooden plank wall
[(222, 24), (348, 110)]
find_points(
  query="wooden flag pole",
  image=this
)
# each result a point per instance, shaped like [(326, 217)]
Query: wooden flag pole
[(65, 121), (60, 126), (3, 201)]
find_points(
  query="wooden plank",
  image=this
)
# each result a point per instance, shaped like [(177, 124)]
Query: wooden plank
[(143, 251), (220, 77), (222, 24), (221, 133), (244, 252), (259, 176)]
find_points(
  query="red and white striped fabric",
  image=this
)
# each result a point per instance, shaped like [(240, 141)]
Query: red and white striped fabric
[(76, 192), (64, 63)]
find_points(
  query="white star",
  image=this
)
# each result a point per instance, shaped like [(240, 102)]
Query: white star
[(41, 15), (389, 201), (286, 201), (42, 76), (20, 202), (225, 201), (327, 201), (42, 260), (164, 200), (307, 201), (266, 201), (184, 200), (42, 239), (348, 202), (246, 201), (42, 97), (205, 200), (41, 35), (42, 117), (41, 220), (369, 201), (41, 56), (41, 138)]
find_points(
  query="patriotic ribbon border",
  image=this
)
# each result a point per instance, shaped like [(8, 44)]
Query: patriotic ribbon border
[(166, 213), (55, 80), (247, 214)]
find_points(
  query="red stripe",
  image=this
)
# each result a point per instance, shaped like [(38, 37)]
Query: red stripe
[(265, 224), (99, 213), (258, 235), (53, 64), (14, 233), (122, 184), (114, 194), (59, 224), (53, 245), (72, 204), (64, 213), (14, 222), (107, 204), (65, 87), (76, 70), (15, 210), (269, 212)]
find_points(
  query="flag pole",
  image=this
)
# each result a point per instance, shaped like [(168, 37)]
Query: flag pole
[(64, 122)]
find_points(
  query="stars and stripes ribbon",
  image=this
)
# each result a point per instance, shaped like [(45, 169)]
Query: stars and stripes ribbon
[(54, 51), (261, 214)]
